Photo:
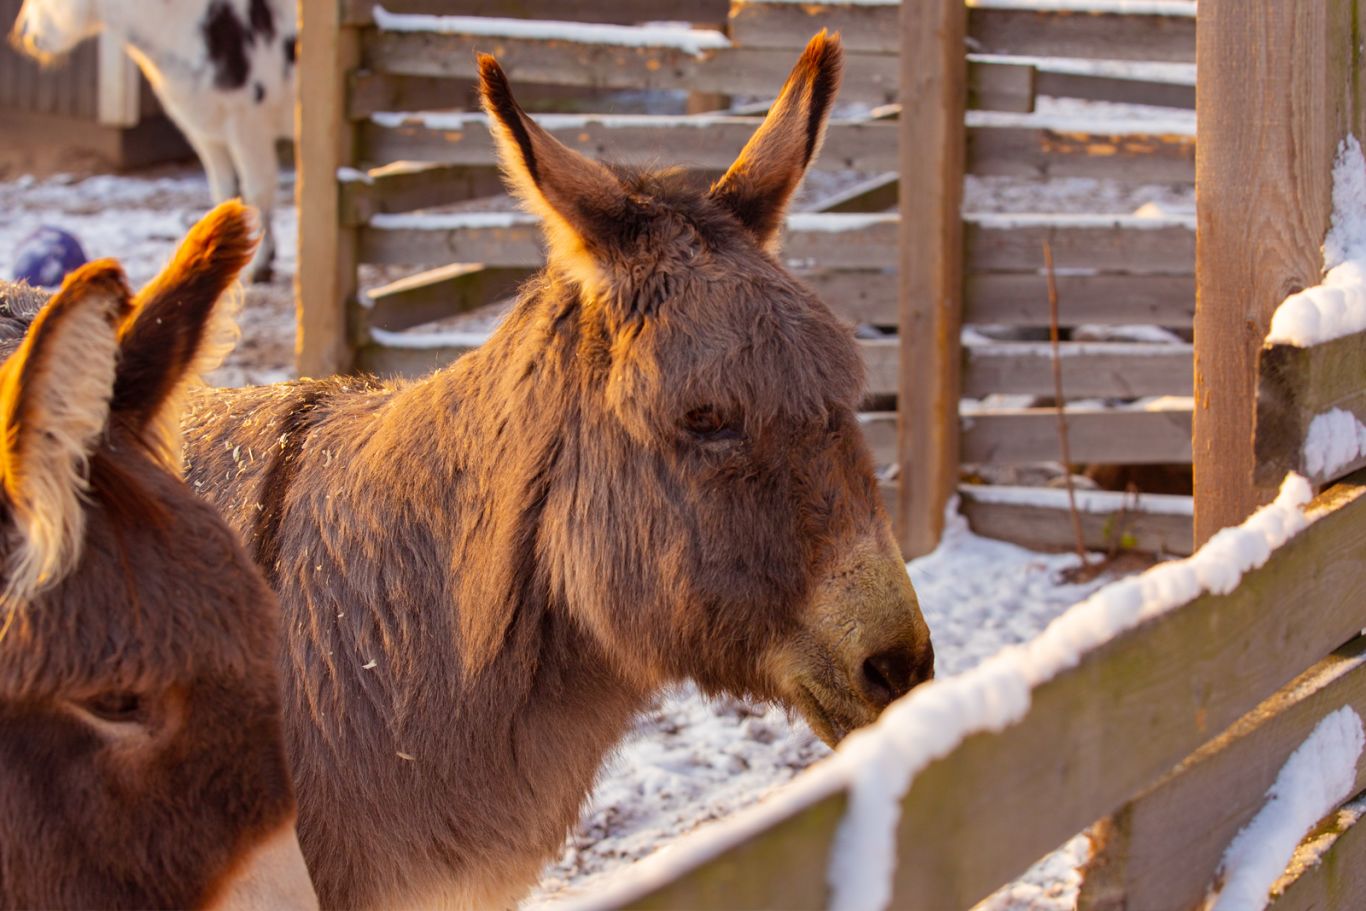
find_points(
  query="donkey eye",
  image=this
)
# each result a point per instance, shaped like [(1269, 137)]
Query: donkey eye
[(119, 706), (708, 423)]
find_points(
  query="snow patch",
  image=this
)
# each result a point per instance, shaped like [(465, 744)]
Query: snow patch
[(1335, 440), (1337, 306), (881, 761), (449, 221), (1179, 8), (1318, 776), (428, 340), (1175, 126), (689, 40)]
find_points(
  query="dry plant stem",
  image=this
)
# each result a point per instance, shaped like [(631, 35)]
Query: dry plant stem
[(1058, 401)]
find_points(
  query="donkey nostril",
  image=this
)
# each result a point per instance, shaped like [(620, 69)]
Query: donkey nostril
[(892, 673)]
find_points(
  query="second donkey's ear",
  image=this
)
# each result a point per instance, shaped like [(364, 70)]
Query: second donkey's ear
[(582, 203), (759, 184), (54, 406), (182, 327)]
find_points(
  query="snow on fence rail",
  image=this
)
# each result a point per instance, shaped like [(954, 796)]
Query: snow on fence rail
[(1184, 690)]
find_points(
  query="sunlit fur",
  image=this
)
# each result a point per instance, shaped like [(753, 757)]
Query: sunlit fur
[(142, 762), (651, 472)]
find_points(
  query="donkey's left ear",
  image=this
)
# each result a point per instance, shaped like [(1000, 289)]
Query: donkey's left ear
[(54, 406), (759, 184), (582, 203), (183, 325)]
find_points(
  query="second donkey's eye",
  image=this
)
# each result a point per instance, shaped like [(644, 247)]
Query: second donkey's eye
[(708, 423)]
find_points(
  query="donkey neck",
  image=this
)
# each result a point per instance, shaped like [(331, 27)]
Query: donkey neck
[(494, 708)]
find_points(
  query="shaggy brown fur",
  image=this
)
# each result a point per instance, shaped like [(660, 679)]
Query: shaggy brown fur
[(141, 754), (652, 472)]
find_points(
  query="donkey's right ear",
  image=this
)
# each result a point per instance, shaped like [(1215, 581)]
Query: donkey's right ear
[(183, 325), (54, 406), (582, 203)]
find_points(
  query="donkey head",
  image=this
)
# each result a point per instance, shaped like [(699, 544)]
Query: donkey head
[(710, 507), (50, 28), (141, 753)]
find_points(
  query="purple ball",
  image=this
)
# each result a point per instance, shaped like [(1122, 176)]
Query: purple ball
[(46, 256)]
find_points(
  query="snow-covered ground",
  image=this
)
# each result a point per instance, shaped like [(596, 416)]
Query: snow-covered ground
[(688, 760)]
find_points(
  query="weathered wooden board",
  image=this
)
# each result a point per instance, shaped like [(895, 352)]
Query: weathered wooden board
[(1014, 243), (930, 258), (1296, 385), (1338, 877), (992, 86), (1089, 369), (831, 240), (876, 194), (1046, 152), (621, 12), (872, 28), (1107, 436), (404, 186), (1153, 857), (326, 273), (1270, 124), (704, 142), (1118, 35), (867, 77), (437, 294), (1021, 299), (416, 361), (1039, 519), (713, 141), (1115, 89)]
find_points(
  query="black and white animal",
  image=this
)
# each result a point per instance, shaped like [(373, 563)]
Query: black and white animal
[(223, 69)]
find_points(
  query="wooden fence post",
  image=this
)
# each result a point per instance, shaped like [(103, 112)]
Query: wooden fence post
[(325, 278), (932, 134), (1274, 97)]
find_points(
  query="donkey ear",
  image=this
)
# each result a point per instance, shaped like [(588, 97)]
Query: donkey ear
[(54, 406), (182, 327), (581, 202), (759, 184)]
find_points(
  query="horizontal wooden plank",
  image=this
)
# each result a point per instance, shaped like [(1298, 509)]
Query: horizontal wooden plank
[(620, 12), (1128, 712), (1297, 385), (874, 28), (404, 186), (992, 86), (1331, 875), (995, 243), (1058, 83), (1021, 299), (708, 142), (1095, 435), (1089, 369), (1019, 146), (437, 294), (1114, 35), (1038, 518), (1014, 243), (1153, 857), (868, 78), (406, 361), (1016, 146)]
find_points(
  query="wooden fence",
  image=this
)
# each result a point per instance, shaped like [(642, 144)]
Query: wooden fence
[(369, 157), (1167, 735)]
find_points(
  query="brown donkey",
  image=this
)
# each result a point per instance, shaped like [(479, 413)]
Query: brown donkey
[(651, 472), (142, 761)]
